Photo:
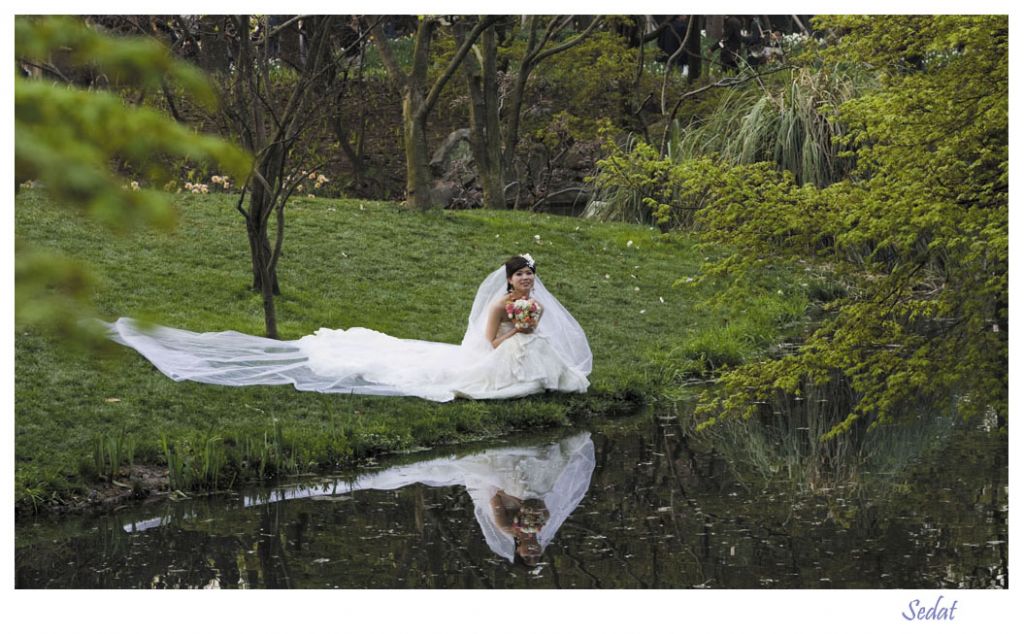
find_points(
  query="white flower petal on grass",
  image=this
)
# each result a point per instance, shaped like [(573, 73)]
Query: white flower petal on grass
[(629, 244), (661, 299)]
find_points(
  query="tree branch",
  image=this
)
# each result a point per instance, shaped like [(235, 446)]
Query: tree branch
[(284, 25), (568, 43), (672, 58), (453, 65)]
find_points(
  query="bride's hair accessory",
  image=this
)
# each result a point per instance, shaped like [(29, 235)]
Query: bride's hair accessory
[(515, 263)]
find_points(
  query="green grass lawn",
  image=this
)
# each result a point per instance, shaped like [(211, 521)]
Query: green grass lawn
[(346, 263)]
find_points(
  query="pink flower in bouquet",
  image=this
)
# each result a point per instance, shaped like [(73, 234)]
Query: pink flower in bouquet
[(523, 312)]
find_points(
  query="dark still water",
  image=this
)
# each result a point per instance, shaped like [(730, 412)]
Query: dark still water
[(629, 504)]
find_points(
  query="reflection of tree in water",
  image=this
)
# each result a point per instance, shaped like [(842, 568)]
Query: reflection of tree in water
[(855, 536)]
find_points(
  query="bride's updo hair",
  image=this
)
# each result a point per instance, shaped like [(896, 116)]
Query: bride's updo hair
[(514, 264)]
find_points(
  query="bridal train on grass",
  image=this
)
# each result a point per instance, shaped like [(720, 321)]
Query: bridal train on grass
[(487, 364)]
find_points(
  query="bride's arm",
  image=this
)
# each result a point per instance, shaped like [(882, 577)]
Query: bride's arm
[(493, 321)]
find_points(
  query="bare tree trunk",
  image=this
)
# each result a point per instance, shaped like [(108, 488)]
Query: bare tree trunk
[(535, 54), (213, 49), (694, 55), (418, 102), (269, 130), (417, 164), (494, 183), (516, 98), (417, 161), (485, 131)]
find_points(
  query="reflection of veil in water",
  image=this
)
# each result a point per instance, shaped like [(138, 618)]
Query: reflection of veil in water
[(559, 474)]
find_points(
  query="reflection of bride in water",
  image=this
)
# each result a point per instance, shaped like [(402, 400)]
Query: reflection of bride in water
[(519, 340), (521, 495)]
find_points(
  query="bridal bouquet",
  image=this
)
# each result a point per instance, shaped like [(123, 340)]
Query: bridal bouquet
[(524, 313)]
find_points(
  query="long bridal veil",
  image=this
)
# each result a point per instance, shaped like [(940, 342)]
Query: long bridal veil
[(557, 325), (355, 361)]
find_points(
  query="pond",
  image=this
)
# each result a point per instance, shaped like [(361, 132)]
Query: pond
[(637, 503)]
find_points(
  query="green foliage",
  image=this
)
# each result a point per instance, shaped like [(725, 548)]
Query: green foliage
[(584, 91), (918, 232), (589, 78), (137, 62), (788, 121), (67, 138), (112, 451), (924, 227), (710, 195)]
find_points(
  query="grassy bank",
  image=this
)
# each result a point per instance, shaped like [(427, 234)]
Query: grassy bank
[(83, 416)]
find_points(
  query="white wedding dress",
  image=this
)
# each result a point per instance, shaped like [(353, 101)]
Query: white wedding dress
[(362, 361)]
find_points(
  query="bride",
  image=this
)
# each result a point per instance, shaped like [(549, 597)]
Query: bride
[(500, 355)]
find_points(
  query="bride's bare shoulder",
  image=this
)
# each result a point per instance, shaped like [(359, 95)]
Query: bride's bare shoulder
[(498, 305)]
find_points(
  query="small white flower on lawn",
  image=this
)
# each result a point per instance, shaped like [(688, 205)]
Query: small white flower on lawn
[(607, 277), (536, 237), (629, 244), (689, 279), (661, 299), (642, 312), (779, 291), (636, 288)]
